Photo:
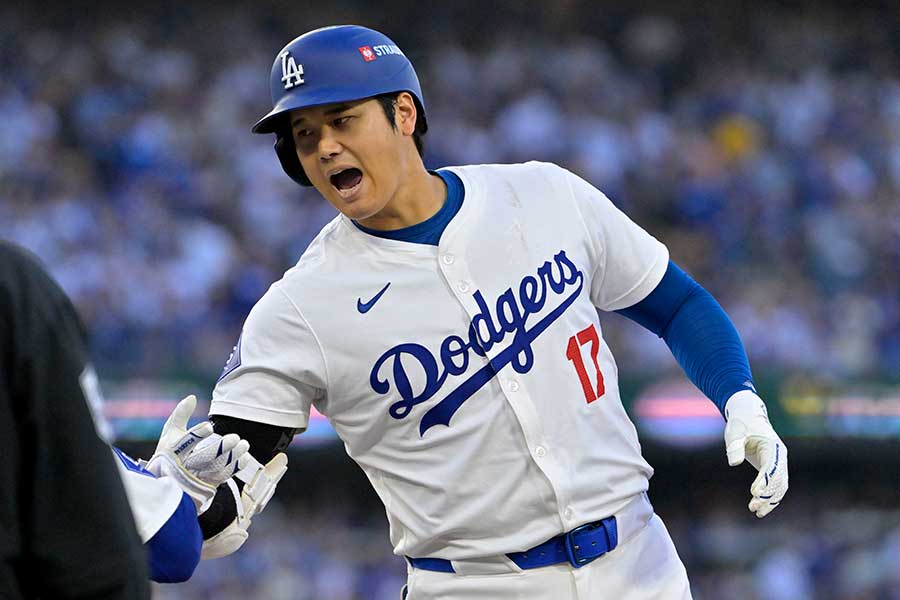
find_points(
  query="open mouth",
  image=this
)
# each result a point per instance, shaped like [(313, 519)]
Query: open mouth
[(346, 182)]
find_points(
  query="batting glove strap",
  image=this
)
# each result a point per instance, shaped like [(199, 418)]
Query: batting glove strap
[(745, 404), (259, 483), (164, 464), (230, 539)]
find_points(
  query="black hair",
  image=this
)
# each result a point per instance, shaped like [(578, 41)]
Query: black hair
[(387, 102)]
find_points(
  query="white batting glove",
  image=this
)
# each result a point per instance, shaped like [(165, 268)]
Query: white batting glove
[(259, 486), (749, 435), (197, 458)]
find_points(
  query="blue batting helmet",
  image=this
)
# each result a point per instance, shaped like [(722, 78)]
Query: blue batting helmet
[(333, 64)]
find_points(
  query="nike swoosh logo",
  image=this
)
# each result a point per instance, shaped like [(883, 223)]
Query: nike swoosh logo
[(363, 307)]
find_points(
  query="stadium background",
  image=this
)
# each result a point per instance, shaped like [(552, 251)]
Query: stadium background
[(760, 142)]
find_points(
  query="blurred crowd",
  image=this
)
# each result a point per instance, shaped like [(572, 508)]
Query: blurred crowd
[(764, 150), (766, 154), (812, 548)]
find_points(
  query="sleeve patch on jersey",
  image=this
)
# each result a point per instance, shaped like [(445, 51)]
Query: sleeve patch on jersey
[(234, 360)]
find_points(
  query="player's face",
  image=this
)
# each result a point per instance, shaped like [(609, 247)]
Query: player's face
[(352, 154)]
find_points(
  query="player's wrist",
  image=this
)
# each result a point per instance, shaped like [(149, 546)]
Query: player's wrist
[(745, 404), (236, 502), (201, 492)]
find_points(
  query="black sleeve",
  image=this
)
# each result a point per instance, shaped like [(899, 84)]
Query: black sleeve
[(265, 442), (72, 533)]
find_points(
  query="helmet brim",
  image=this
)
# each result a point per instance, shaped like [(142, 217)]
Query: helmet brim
[(276, 119)]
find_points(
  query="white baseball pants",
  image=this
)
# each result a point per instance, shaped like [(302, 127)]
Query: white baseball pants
[(645, 566)]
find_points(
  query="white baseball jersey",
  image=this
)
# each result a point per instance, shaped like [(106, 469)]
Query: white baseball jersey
[(470, 381)]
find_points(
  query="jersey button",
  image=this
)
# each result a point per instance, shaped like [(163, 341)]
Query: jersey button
[(463, 286), (568, 513), (514, 386), (448, 259), (540, 452)]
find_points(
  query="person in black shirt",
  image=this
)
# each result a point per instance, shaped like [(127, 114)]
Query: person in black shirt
[(66, 529)]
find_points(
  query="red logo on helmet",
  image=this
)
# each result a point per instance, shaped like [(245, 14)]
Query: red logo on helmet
[(367, 53)]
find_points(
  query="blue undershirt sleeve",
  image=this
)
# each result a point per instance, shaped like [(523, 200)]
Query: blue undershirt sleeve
[(699, 333), (175, 549)]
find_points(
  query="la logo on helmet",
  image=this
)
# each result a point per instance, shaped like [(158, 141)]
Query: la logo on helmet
[(291, 72)]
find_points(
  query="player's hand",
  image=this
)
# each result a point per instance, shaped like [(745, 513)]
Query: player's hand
[(749, 435), (197, 458), (250, 496)]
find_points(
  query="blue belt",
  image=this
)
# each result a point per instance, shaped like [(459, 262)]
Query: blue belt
[(577, 547)]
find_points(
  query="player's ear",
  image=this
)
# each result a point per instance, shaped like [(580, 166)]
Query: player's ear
[(405, 113)]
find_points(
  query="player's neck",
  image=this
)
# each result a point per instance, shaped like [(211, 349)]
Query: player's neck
[(419, 198)]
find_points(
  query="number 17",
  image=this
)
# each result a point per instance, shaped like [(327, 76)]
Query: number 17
[(573, 353)]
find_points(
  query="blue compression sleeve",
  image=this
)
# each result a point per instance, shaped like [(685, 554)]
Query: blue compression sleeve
[(175, 549), (698, 332)]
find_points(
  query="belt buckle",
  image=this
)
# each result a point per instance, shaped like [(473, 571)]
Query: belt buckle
[(572, 550)]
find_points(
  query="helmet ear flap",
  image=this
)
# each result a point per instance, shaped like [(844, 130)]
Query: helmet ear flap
[(287, 155)]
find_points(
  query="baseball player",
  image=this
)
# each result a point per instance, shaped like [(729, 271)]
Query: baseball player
[(446, 324)]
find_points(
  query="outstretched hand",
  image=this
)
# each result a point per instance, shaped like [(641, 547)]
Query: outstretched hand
[(198, 458)]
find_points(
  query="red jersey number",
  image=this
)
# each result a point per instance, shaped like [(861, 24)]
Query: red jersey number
[(592, 391)]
